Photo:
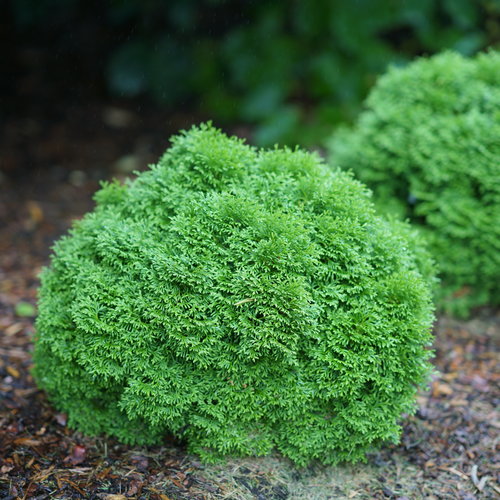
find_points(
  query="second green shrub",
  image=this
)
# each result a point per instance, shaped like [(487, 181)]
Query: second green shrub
[(428, 144)]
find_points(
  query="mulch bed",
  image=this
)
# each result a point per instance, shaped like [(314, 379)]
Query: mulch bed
[(454, 437), (451, 444)]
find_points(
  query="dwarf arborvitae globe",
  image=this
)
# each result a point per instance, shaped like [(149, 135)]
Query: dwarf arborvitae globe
[(428, 144), (242, 300)]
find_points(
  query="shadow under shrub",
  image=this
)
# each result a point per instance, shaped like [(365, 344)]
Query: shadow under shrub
[(244, 300), (428, 144)]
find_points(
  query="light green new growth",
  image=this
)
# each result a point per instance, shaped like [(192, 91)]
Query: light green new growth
[(428, 144), (243, 300)]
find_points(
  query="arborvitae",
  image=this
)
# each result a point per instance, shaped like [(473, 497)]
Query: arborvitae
[(243, 300), (428, 144)]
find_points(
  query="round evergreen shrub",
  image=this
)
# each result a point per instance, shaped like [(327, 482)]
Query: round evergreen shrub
[(428, 144), (243, 300)]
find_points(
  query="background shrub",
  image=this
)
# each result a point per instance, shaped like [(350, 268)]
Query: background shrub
[(277, 65), (241, 299), (428, 144)]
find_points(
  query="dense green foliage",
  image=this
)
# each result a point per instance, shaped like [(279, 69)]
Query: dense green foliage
[(278, 65), (244, 300), (428, 144)]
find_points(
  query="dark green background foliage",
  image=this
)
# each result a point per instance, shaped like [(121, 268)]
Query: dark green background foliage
[(278, 65), (244, 300), (428, 143)]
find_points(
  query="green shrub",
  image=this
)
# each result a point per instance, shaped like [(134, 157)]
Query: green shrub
[(243, 300), (428, 144)]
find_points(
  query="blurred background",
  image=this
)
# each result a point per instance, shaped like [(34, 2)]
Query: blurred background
[(290, 70), (93, 89)]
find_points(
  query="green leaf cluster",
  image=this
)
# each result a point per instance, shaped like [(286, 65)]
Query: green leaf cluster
[(428, 144), (244, 300)]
